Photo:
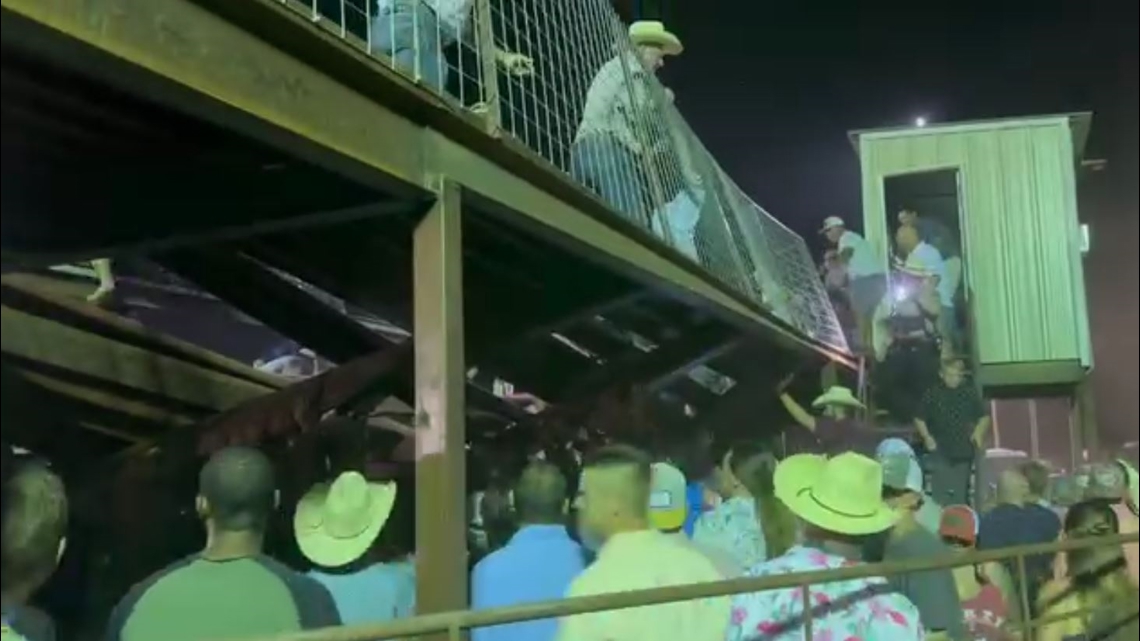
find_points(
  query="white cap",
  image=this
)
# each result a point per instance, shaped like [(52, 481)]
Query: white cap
[(894, 447), (902, 472), (832, 222)]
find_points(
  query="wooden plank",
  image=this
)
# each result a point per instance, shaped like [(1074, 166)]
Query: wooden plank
[(44, 300), (56, 345)]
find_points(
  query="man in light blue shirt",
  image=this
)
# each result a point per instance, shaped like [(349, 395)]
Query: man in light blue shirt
[(538, 564), (338, 527)]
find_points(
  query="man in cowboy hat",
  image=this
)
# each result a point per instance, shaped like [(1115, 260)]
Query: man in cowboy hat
[(835, 428), (839, 503), (620, 114), (414, 33), (866, 271), (231, 589), (337, 526)]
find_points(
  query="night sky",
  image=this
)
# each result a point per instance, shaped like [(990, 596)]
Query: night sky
[(772, 89)]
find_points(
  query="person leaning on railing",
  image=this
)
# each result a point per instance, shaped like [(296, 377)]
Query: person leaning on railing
[(1098, 596), (608, 154), (413, 33)]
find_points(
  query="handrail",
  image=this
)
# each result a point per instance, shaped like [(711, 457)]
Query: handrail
[(455, 622), (660, 178)]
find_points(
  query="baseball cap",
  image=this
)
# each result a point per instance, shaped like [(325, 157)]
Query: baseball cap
[(960, 523), (667, 503), (831, 222), (901, 472), (894, 447)]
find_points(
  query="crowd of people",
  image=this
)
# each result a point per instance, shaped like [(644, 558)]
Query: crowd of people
[(625, 520)]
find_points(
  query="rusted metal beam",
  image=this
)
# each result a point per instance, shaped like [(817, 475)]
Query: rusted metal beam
[(441, 382), (638, 367)]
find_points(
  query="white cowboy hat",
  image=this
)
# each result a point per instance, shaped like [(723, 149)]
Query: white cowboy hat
[(843, 494), (832, 222), (837, 396), (652, 32), (336, 524)]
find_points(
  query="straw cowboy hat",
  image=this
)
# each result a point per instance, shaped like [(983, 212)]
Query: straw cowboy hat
[(653, 33), (843, 494), (336, 524), (837, 395)]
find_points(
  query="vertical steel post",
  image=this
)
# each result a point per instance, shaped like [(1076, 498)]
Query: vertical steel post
[(489, 69), (809, 618), (1026, 609), (1034, 430), (1086, 415), (441, 529)]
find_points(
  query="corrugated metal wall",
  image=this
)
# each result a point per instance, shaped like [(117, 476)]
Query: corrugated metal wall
[(1020, 233)]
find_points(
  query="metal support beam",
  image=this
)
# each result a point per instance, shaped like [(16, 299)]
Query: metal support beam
[(441, 545), (278, 303), (666, 362)]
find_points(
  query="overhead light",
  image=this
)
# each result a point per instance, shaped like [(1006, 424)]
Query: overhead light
[(920, 122)]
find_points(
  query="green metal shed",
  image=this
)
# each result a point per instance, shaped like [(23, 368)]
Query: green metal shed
[(1021, 241)]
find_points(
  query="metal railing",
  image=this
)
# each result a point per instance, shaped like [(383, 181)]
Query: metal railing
[(529, 68), (456, 624)]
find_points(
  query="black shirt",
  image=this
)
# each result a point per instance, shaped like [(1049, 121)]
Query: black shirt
[(951, 415), (1016, 525), (832, 437)]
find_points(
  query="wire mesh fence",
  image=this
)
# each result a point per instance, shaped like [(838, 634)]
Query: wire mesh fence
[(578, 87)]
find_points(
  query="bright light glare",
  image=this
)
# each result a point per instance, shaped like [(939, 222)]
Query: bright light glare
[(920, 122)]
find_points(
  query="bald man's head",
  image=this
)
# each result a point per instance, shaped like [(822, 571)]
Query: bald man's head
[(1013, 487), (614, 493), (540, 494), (237, 490)]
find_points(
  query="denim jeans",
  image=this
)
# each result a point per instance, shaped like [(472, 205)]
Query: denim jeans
[(408, 31), (678, 219), (610, 170)]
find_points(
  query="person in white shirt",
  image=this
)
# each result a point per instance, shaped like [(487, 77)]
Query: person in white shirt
[(413, 34), (619, 119), (613, 519), (924, 257), (866, 270)]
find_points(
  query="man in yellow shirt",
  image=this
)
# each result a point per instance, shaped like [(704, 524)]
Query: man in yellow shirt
[(632, 555)]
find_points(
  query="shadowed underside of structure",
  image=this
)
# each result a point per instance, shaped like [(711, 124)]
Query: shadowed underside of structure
[(123, 139)]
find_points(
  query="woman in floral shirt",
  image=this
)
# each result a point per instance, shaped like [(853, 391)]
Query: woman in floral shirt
[(839, 502), (750, 524)]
